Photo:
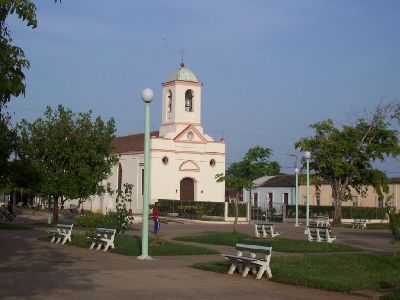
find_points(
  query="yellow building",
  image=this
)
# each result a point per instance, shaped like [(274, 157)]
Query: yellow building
[(324, 197)]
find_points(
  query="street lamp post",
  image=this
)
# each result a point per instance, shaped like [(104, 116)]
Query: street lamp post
[(147, 97), (307, 155), (297, 197)]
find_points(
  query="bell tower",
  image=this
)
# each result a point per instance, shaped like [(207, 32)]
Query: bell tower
[(181, 101)]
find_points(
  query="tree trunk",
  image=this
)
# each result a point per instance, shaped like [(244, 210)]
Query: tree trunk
[(55, 210), (338, 211)]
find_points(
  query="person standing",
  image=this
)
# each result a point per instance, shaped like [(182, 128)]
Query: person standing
[(156, 219)]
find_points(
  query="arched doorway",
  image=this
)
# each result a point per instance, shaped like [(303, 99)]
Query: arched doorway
[(187, 189)]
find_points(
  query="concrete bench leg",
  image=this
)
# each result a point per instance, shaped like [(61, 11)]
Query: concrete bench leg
[(53, 238), (106, 247), (98, 246), (92, 245), (235, 266), (262, 270), (246, 271)]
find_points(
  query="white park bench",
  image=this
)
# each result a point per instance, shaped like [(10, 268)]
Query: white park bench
[(61, 234), (360, 223), (259, 258), (103, 237), (322, 221), (265, 230), (320, 234)]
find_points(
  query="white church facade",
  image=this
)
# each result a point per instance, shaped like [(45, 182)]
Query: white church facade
[(183, 159)]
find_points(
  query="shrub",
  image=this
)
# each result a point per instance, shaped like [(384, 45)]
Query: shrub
[(123, 220), (94, 220), (191, 211), (242, 210), (208, 208)]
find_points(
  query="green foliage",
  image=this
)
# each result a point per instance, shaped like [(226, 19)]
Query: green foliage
[(191, 211), (70, 153), (131, 246), (242, 210), (335, 272), (344, 156), (12, 58), (255, 164), (240, 175), (7, 140), (123, 220), (94, 220), (208, 208), (394, 219), (278, 244), (215, 238), (393, 295)]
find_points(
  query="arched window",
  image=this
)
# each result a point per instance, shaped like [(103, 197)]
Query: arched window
[(169, 101), (119, 183), (189, 100)]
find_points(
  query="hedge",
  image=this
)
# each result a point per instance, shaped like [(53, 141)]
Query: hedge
[(242, 207), (204, 207), (348, 212), (196, 209)]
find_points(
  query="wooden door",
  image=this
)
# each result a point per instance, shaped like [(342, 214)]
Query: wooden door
[(187, 189)]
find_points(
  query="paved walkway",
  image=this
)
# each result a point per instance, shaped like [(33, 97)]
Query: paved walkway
[(31, 269)]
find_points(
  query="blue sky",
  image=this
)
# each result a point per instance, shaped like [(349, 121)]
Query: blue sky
[(269, 68)]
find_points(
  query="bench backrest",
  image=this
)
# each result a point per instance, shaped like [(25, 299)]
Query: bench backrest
[(106, 232), (64, 227), (265, 251), (313, 232)]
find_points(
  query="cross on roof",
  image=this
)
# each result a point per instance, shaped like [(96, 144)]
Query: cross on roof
[(182, 52)]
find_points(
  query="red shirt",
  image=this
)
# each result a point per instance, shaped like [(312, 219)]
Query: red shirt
[(156, 213)]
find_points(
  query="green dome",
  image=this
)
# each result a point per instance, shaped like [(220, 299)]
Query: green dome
[(183, 74)]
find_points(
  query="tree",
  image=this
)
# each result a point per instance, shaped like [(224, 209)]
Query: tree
[(394, 219), (7, 141), (240, 175), (70, 152), (344, 156), (12, 58)]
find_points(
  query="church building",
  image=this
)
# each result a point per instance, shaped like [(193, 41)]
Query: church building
[(183, 159)]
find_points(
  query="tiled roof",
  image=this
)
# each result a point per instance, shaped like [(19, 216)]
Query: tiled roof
[(130, 143), (280, 181)]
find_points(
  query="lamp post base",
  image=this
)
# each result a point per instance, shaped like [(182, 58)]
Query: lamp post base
[(144, 257), (306, 231), (296, 225)]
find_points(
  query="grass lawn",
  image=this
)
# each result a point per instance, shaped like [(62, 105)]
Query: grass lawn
[(278, 244), (394, 295), (9, 226), (335, 272), (131, 245)]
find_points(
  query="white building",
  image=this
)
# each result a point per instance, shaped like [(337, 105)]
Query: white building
[(183, 159), (272, 192)]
